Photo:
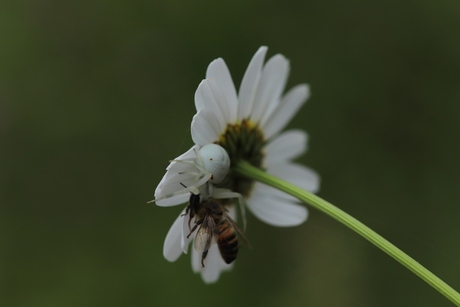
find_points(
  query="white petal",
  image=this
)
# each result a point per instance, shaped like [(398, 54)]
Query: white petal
[(213, 265), (219, 72), (232, 212), (288, 107), (263, 189), (196, 261), (250, 83), (227, 267), (271, 86), (287, 146), (186, 228), (210, 96), (297, 174), (172, 246), (276, 211), (205, 127)]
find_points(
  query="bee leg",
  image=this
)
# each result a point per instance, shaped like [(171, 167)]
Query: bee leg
[(189, 220), (203, 256), (192, 230), (206, 249), (197, 223)]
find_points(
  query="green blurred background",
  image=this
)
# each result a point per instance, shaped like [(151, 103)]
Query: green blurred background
[(97, 96)]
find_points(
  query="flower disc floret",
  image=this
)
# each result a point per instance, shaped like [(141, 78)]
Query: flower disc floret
[(242, 141)]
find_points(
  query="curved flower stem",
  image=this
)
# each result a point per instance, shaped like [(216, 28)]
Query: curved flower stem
[(246, 169)]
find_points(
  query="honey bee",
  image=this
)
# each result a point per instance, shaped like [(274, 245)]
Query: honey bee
[(214, 226)]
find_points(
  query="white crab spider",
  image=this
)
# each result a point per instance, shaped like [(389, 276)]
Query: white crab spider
[(210, 167)]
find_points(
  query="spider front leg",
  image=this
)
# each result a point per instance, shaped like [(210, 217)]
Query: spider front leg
[(203, 175), (192, 189), (225, 193)]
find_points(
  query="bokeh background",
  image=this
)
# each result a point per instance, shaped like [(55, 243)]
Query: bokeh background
[(97, 96)]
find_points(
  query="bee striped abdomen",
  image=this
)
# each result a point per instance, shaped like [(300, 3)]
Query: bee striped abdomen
[(227, 242)]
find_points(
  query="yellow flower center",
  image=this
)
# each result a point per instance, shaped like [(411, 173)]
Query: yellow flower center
[(242, 141)]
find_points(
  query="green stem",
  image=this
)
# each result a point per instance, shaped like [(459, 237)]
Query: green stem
[(246, 169)]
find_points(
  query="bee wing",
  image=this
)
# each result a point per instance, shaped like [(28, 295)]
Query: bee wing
[(238, 230), (206, 235)]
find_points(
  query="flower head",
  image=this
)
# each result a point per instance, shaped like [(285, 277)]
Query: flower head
[(247, 125)]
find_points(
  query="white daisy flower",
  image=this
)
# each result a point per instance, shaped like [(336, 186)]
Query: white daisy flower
[(247, 125)]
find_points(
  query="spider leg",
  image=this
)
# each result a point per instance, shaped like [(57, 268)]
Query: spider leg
[(224, 193), (192, 189)]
